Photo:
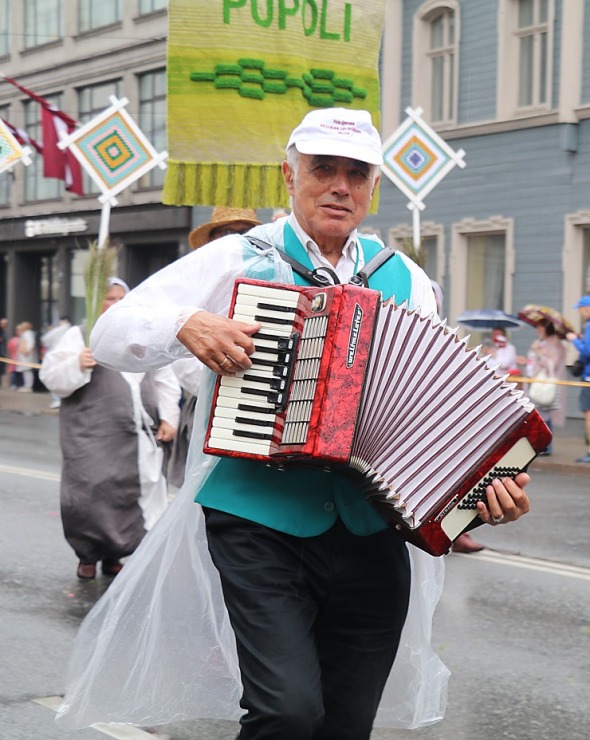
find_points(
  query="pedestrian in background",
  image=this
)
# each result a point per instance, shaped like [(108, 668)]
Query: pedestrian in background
[(16, 377), (547, 355), (224, 221), (3, 348), (582, 343), (504, 352), (26, 356), (112, 486), (49, 341)]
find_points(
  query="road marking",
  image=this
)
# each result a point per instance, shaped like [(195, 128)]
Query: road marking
[(117, 731), (30, 473), (541, 566)]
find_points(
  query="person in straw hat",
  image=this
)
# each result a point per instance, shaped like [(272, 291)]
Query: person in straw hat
[(224, 221)]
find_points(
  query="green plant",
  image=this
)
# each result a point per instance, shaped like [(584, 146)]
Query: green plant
[(416, 255), (99, 267)]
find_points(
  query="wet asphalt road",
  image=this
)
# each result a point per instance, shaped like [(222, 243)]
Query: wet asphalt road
[(513, 624)]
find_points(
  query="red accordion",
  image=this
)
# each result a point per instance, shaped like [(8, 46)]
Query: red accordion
[(342, 381)]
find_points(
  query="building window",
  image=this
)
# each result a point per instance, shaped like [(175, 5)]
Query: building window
[(92, 101), (482, 265), (432, 247), (97, 13), (4, 28), (525, 56), (442, 65), (150, 6), (532, 32), (42, 22), (575, 264), (435, 61), (152, 120), (38, 187), (486, 267)]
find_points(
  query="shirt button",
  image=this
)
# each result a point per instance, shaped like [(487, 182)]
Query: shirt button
[(328, 506)]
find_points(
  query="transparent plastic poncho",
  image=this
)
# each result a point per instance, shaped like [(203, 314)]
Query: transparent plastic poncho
[(158, 647)]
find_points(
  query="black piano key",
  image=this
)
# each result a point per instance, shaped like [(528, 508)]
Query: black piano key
[(254, 422), (272, 320), (256, 409), (257, 378), (251, 435), (278, 399), (272, 307)]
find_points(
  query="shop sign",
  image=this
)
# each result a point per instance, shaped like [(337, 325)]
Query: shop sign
[(53, 226)]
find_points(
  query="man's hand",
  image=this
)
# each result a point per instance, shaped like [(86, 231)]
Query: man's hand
[(507, 500), (220, 343), (166, 432), (86, 359)]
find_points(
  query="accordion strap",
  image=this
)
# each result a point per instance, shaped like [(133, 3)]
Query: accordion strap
[(362, 277), (315, 277)]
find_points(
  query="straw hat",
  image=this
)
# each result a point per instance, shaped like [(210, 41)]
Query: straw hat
[(222, 216)]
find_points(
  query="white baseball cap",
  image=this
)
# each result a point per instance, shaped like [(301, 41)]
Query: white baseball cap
[(339, 132)]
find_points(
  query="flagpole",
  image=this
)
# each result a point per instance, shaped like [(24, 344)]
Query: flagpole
[(105, 217)]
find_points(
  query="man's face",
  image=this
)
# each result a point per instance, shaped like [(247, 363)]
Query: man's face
[(330, 196)]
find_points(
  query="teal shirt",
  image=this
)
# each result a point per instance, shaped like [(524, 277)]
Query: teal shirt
[(302, 501)]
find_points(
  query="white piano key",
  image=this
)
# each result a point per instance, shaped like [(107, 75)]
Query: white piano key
[(262, 292), (229, 412), (256, 300), (265, 313), (232, 402), (240, 444), (235, 382), (236, 392), (233, 425), (274, 329)]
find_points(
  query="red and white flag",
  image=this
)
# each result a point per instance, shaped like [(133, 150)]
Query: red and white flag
[(57, 163), (22, 137)]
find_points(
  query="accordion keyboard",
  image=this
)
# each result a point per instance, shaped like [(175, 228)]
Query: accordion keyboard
[(251, 413)]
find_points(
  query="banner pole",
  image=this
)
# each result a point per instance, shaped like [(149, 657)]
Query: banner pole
[(105, 217)]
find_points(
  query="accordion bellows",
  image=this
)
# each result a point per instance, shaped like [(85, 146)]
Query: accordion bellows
[(379, 392)]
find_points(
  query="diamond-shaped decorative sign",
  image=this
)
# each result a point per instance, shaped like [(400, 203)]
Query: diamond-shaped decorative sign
[(113, 150), (11, 151), (416, 158)]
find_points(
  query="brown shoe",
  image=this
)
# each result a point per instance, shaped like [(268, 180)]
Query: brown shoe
[(86, 571), (465, 544), (111, 567)]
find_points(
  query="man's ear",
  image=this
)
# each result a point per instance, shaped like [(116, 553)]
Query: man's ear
[(375, 185), (289, 177)]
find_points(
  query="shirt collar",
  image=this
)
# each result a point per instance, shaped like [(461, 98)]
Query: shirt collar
[(350, 248)]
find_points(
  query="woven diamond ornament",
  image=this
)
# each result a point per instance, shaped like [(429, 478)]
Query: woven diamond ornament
[(416, 158), (11, 150), (113, 150)]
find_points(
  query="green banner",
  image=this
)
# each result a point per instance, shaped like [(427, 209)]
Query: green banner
[(243, 73)]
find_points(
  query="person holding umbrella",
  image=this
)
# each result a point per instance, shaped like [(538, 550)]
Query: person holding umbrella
[(547, 355), (582, 344)]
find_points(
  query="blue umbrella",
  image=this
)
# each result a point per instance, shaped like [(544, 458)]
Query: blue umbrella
[(488, 318)]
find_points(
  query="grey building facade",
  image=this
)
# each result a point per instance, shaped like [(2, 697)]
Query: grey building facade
[(508, 82)]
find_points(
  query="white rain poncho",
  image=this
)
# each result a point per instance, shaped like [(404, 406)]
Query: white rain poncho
[(158, 647)]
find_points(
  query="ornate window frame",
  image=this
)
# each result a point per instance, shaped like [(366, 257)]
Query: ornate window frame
[(460, 233), (422, 60)]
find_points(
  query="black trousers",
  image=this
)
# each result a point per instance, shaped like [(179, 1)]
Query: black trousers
[(317, 623)]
